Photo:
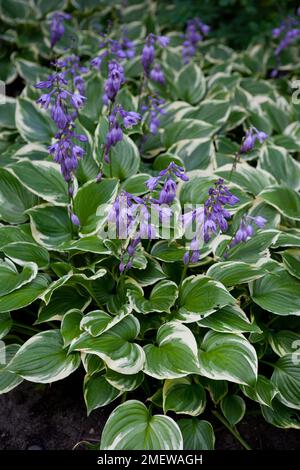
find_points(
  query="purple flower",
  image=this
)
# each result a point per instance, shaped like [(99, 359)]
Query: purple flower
[(77, 100), (75, 220), (131, 118), (250, 138), (59, 116), (115, 79), (157, 75), (57, 27), (163, 41), (246, 229), (147, 58), (194, 33), (44, 100)]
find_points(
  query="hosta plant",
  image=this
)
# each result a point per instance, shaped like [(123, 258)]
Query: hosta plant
[(150, 222)]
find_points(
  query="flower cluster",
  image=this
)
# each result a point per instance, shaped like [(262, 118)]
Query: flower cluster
[(250, 138), (116, 78), (194, 33), (132, 214), (210, 219), (287, 32), (64, 106), (115, 133), (166, 179), (71, 65), (155, 108), (246, 228), (57, 27), (152, 70), (123, 49)]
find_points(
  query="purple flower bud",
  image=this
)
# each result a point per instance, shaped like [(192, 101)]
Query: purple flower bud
[(157, 75), (163, 41), (75, 220), (186, 258), (152, 182), (77, 100), (259, 221), (147, 58), (130, 119)]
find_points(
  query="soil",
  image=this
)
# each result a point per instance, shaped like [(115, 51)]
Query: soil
[(53, 417)]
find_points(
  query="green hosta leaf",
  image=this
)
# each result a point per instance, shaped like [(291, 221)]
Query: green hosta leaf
[(130, 427), (200, 296), (217, 389), (190, 83), (44, 179), (252, 180), (284, 342), (254, 249), (291, 261), (175, 354), (92, 364), (281, 416), (231, 273), (286, 377), (233, 408), (151, 274), (115, 346), (136, 184), (25, 295), (263, 391), (125, 159), (43, 359), (92, 244), (213, 111), (24, 252), (226, 356), (187, 129), (50, 225), (94, 102), (230, 319), (5, 324), (277, 292), (92, 203), (8, 380), (31, 72), (7, 113), (63, 299), (98, 392), (11, 279), (11, 233), (161, 298), (98, 321), (281, 165), (169, 252), (70, 326), (14, 198), (197, 434), (287, 239), (194, 153), (284, 199), (33, 124), (124, 383), (183, 397)]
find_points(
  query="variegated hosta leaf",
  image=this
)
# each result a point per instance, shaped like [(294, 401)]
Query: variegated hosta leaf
[(230, 319), (25, 295), (284, 342), (231, 273), (291, 261), (184, 397), (5, 323), (97, 392), (98, 321), (92, 204), (253, 249), (70, 326), (233, 408), (197, 434), (161, 298), (284, 199), (190, 83), (24, 252), (43, 359), (252, 180), (200, 296), (115, 346), (8, 380), (11, 279), (226, 356), (286, 377), (263, 391), (92, 363), (277, 292), (281, 416), (131, 427), (175, 354), (42, 178), (124, 383), (217, 389)]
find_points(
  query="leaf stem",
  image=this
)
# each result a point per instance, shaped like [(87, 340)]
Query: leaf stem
[(233, 431)]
